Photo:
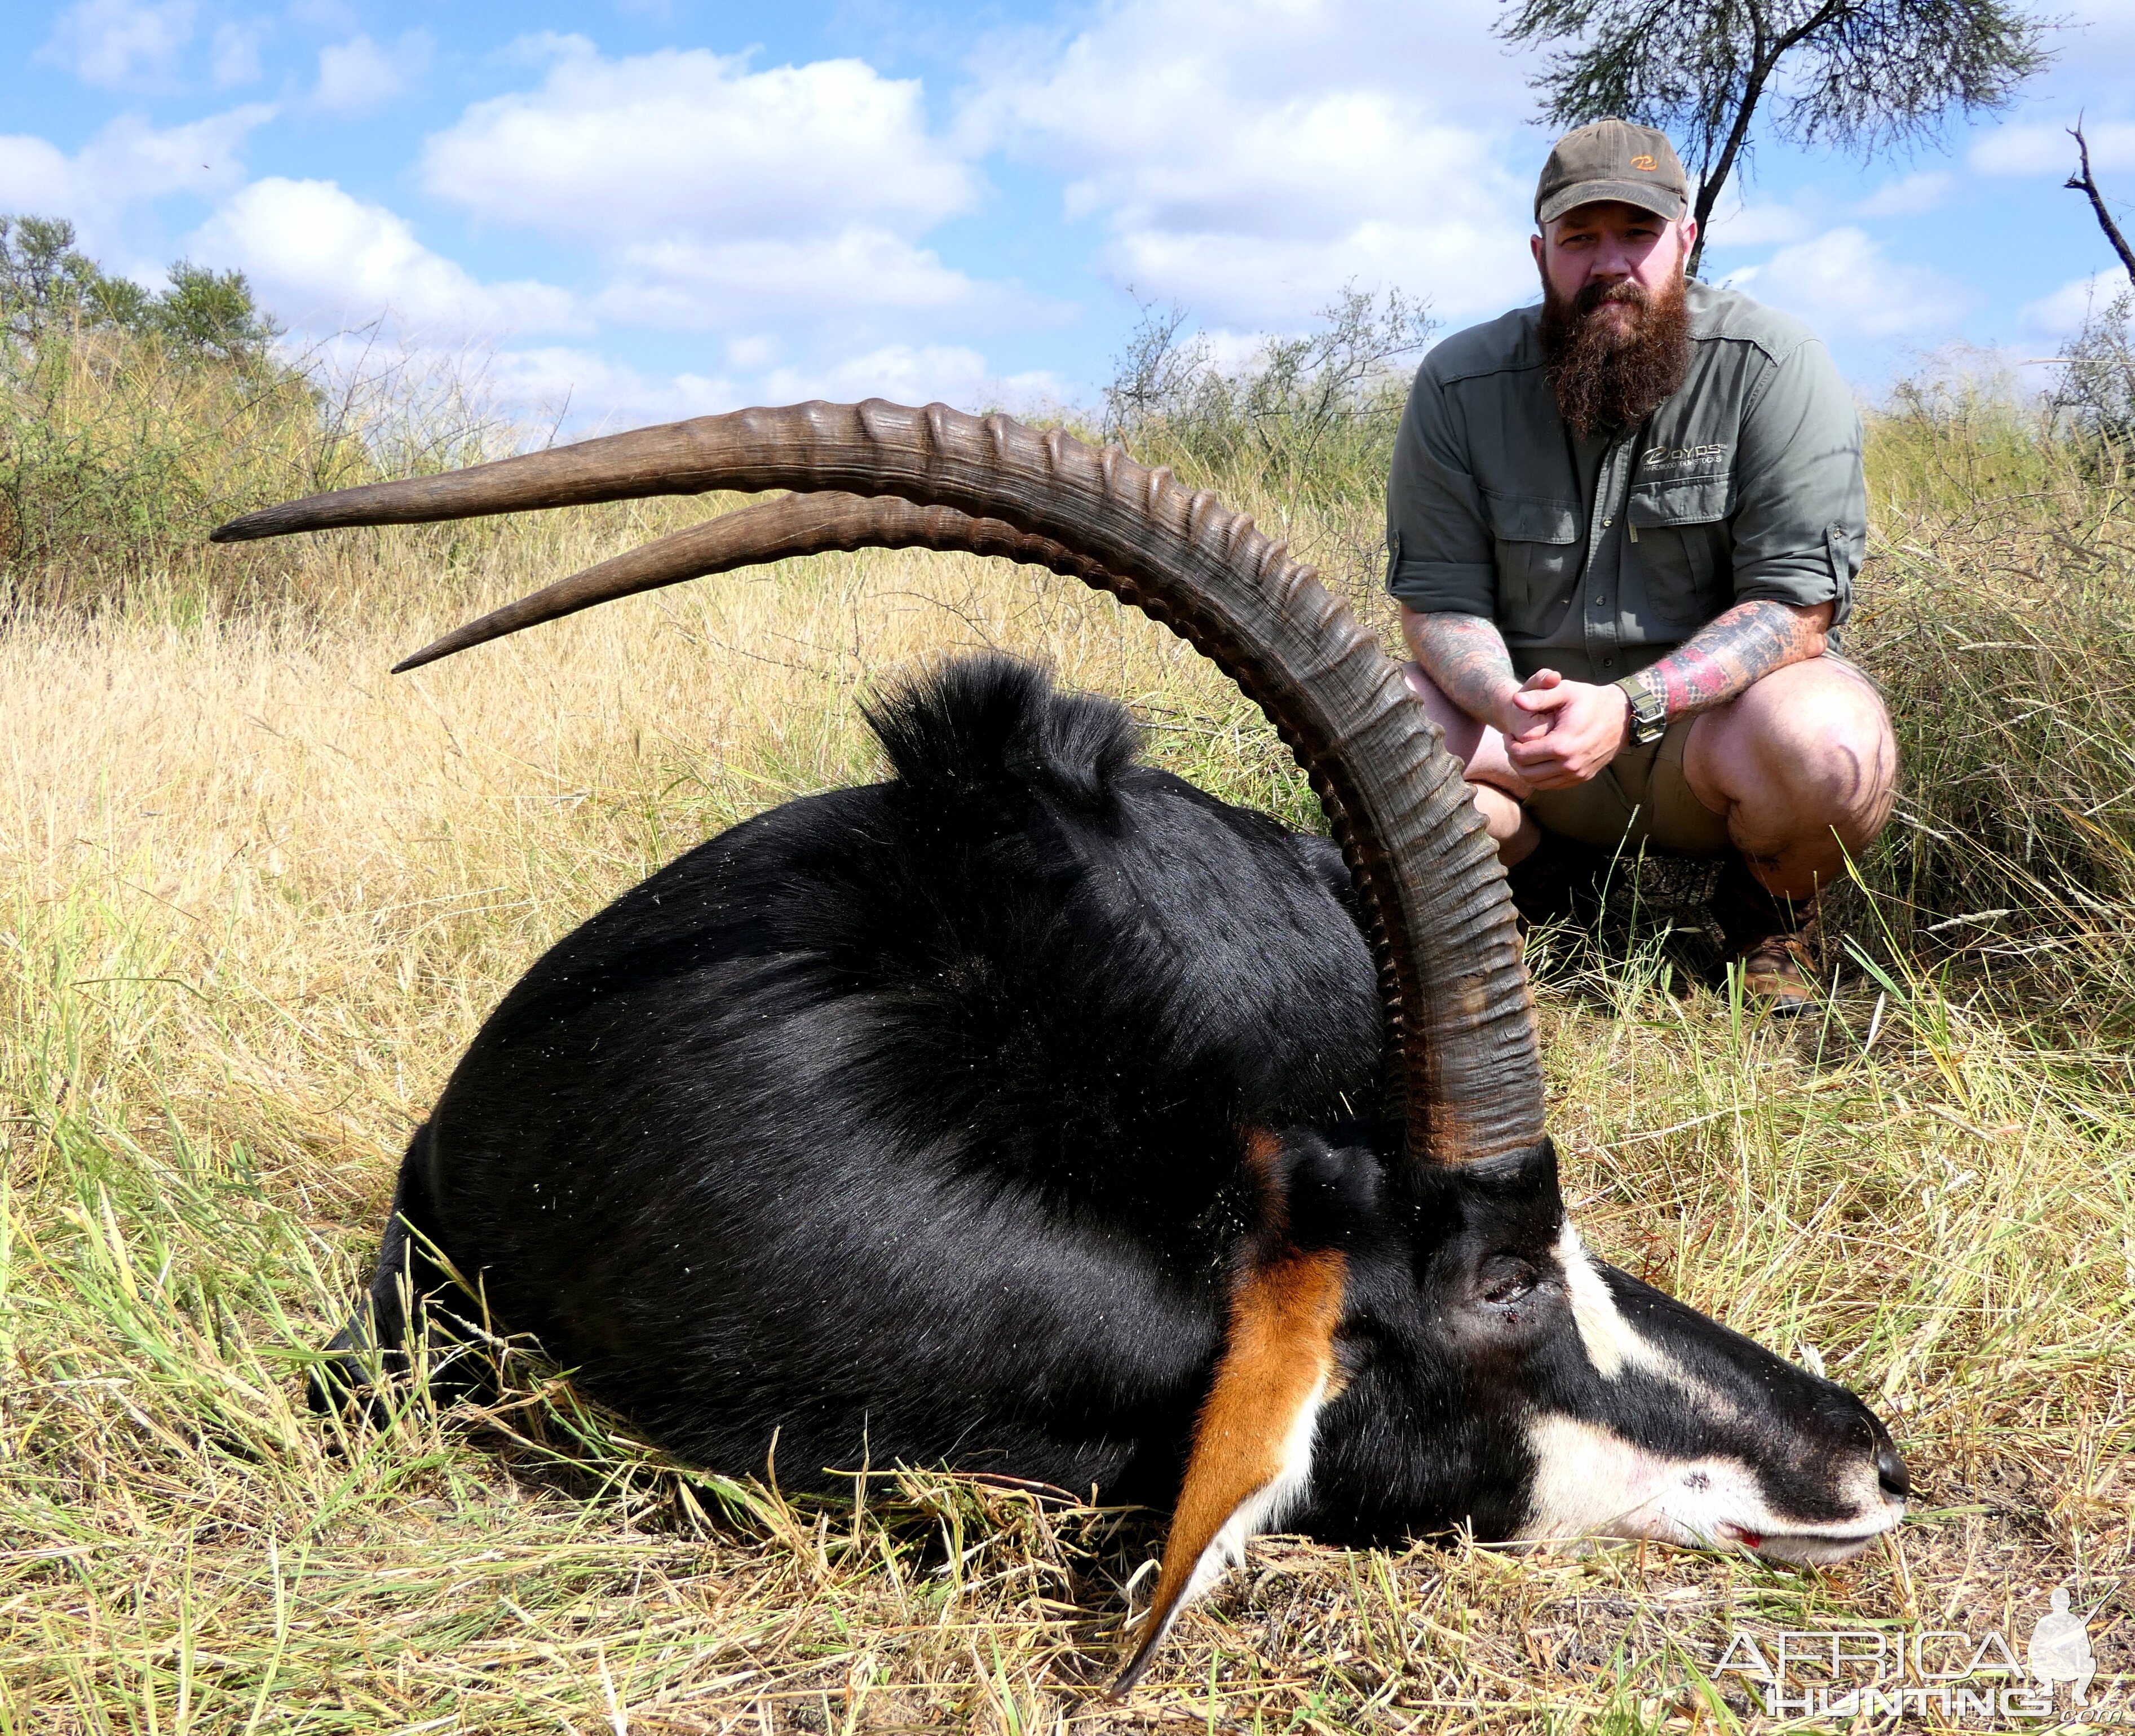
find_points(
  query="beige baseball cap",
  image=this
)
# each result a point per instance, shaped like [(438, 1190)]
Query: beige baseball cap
[(1613, 159)]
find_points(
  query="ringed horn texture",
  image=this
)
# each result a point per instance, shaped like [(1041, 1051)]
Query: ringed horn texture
[(1460, 1037)]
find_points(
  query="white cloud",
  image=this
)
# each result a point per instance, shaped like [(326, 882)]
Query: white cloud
[(693, 145), (117, 42), (235, 56), (1464, 265), (128, 162), (586, 392), (1912, 196), (1245, 158), (2033, 147), (1764, 226), (357, 75), (2062, 313), (319, 254), (1843, 286), (720, 198), (861, 273), (914, 373)]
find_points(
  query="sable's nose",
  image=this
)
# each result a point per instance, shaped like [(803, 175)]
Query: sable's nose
[(1891, 1471)]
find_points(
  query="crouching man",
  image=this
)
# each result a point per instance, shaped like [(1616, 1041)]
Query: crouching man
[(1622, 526)]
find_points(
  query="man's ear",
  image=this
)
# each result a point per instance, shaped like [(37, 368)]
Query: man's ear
[(1534, 247)]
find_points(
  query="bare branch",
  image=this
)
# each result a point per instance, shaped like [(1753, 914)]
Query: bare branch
[(2082, 182)]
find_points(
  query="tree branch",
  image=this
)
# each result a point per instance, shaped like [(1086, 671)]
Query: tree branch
[(1765, 59), (2082, 183), (1848, 72)]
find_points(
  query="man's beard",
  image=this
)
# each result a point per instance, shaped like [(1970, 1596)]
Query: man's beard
[(1603, 381)]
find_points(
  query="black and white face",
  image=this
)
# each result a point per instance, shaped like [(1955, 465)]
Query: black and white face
[(1542, 1394)]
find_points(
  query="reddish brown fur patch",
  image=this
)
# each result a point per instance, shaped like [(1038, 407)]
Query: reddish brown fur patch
[(1284, 1307)]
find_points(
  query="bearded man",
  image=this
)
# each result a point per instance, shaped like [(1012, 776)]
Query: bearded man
[(1622, 527)]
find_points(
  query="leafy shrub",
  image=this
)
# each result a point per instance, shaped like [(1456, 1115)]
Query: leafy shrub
[(131, 423), (2098, 385)]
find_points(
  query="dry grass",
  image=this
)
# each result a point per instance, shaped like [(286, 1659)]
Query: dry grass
[(1999, 613), (258, 895)]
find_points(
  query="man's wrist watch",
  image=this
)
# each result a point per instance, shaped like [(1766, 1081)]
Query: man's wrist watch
[(1649, 717)]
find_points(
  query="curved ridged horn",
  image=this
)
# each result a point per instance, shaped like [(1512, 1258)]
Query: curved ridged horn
[(774, 530), (1460, 1029)]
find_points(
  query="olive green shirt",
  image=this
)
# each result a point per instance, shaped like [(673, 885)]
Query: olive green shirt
[(1598, 556)]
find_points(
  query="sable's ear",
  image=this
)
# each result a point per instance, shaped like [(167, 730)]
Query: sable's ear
[(1252, 1446)]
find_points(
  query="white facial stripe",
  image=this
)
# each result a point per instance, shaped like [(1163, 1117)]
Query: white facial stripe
[(1610, 1341), (1590, 1482), (1614, 1344)]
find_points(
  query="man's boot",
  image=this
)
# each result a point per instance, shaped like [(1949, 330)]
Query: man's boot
[(1766, 936)]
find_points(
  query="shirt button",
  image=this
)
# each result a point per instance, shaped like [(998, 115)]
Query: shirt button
[(1606, 523), (1601, 602), (1608, 663)]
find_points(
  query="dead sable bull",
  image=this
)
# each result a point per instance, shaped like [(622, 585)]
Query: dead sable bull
[(1035, 1113)]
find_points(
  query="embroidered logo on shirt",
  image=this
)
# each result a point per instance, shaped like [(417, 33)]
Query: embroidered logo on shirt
[(1710, 454)]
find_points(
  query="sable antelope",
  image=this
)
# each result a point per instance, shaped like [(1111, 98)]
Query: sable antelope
[(1035, 1113)]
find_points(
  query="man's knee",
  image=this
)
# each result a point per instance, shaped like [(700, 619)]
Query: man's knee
[(1812, 740), (1479, 748), (1464, 735), (1495, 787), (1845, 759)]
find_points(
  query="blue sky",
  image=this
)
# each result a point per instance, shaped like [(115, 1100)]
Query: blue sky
[(655, 208)]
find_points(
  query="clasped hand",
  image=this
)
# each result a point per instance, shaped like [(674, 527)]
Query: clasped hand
[(1558, 733)]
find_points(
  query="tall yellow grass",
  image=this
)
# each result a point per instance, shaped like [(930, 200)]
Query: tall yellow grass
[(257, 895)]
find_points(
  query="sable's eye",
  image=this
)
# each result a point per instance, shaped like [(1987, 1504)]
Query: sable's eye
[(1504, 1278)]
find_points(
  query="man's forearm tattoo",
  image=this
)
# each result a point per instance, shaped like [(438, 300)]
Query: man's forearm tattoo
[(1466, 656), (1731, 650)]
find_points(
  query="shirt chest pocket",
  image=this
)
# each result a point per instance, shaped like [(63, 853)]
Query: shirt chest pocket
[(1680, 540), (1538, 560)]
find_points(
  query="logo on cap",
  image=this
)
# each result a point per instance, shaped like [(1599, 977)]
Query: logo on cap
[(1647, 163)]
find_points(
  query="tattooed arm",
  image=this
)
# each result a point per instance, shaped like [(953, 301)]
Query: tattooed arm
[(1587, 726), (1557, 732), (1554, 733), (1731, 650), (1465, 655)]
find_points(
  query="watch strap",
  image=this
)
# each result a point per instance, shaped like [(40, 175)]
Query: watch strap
[(1649, 717)]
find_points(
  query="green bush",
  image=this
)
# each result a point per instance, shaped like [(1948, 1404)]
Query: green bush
[(132, 423)]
